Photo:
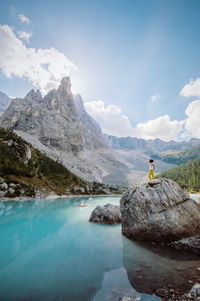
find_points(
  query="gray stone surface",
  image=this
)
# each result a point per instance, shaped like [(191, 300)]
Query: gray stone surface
[(159, 211), (4, 186), (107, 214)]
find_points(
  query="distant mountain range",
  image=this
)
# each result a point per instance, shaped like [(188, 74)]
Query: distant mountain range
[(150, 146), (179, 157), (58, 125)]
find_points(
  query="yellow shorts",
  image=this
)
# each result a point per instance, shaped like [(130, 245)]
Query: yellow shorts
[(151, 175)]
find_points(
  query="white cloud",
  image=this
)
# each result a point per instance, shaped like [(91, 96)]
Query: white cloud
[(44, 68), (111, 119), (155, 98), (114, 122), (162, 127), (24, 35), (192, 123), (191, 89), (24, 19)]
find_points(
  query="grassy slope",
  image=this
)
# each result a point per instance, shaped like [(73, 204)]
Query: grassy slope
[(37, 172)]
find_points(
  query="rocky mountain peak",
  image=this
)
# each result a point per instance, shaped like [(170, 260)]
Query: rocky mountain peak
[(33, 95), (58, 120), (66, 82), (65, 86)]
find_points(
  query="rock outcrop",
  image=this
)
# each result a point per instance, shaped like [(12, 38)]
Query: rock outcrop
[(159, 211), (107, 214)]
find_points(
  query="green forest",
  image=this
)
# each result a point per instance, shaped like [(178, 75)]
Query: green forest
[(187, 175), (22, 163)]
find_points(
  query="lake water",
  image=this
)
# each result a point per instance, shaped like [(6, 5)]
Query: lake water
[(49, 251)]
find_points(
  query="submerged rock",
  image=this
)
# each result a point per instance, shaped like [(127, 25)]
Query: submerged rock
[(187, 245), (107, 214), (159, 211)]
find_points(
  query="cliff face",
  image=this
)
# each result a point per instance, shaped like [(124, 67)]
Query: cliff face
[(58, 120), (4, 102)]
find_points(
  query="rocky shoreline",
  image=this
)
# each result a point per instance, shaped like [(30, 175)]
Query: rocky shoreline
[(48, 197)]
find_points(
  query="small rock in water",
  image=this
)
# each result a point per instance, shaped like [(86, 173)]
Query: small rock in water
[(107, 214), (83, 204)]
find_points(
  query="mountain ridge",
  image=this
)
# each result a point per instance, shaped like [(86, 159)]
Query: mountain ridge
[(150, 145)]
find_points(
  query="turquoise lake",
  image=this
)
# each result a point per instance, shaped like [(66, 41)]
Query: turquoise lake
[(49, 251)]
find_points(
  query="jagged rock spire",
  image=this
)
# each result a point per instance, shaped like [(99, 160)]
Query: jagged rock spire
[(34, 95)]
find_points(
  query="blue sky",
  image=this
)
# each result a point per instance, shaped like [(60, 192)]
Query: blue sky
[(135, 55)]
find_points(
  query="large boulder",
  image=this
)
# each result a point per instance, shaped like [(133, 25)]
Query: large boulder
[(107, 214), (159, 211)]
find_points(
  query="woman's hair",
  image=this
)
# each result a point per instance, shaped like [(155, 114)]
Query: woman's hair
[(151, 160)]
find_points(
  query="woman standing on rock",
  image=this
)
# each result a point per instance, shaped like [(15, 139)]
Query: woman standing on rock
[(151, 175)]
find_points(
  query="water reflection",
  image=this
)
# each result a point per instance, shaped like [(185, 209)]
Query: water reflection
[(157, 271)]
